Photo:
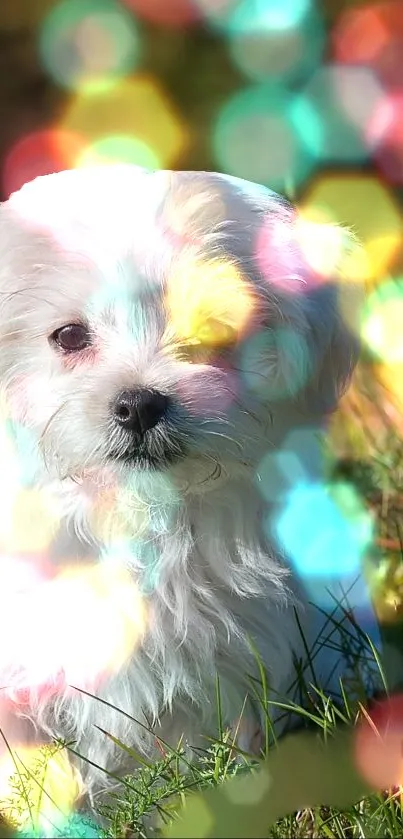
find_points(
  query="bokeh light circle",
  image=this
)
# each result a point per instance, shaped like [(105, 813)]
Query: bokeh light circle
[(291, 53), (257, 136), (241, 16), (41, 803), (341, 140), (204, 291), (378, 744), (88, 42), (358, 93), (382, 321), (299, 456), (373, 37), (324, 246), (324, 529), (349, 199), (109, 621), (170, 13), (32, 522), (276, 363), (41, 153), (384, 135), (135, 109), (119, 149)]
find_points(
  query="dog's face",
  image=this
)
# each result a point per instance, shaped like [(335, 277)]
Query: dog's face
[(154, 320)]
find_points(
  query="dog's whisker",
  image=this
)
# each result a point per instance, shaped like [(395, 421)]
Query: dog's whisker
[(210, 432), (43, 434), (215, 474)]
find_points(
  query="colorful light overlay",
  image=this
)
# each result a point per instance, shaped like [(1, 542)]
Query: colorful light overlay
[(313, 109)]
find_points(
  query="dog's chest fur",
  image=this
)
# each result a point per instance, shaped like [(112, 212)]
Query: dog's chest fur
[(216, 597)]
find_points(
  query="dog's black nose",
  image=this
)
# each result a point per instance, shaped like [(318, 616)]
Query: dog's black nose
[(139, 410)]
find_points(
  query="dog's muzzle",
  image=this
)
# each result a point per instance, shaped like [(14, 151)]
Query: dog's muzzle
[(148, 441), (139, 410)]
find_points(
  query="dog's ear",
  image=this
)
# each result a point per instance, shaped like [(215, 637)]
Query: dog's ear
[(334, 301), (309, 275)]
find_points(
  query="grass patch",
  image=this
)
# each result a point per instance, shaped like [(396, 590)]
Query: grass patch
[(312, 764)]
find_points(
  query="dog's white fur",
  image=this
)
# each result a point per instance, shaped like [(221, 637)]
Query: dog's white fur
[(102, 244)]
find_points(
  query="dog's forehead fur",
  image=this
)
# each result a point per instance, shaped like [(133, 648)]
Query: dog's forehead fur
[(127, 196), (114, 235), (120, 211)]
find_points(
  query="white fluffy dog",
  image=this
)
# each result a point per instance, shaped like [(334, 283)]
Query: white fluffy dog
[(171, 346)]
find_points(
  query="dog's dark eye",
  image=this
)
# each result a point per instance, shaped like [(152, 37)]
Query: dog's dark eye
[(71, 338)]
